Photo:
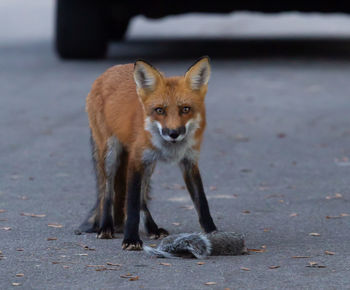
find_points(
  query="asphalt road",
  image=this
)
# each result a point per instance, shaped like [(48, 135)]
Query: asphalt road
[(274, 163)]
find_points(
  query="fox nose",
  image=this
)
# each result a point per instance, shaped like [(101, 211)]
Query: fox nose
[(174, 134)]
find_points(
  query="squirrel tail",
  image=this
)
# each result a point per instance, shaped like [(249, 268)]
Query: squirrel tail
[(158, 253), (197, 245)]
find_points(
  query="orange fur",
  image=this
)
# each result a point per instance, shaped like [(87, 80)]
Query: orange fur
[(134, 112), (114, 108)]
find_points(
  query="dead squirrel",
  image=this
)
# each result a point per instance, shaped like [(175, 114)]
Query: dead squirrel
[(199, 245)]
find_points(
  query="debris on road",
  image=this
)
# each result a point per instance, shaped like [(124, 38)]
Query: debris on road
[(257, 250), (337, 216), (130, 277), (86, 247), (210, 283), (315, 265), (314, 234), (335, 196), (33, 215), (106, 269), (55, 225), (188, 207), (112, 264)]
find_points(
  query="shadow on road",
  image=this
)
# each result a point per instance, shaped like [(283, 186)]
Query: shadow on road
[(168, 49), (177, 49)]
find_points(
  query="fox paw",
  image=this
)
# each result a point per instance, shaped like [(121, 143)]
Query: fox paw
[(105, 233), (132, 245), (160, 234)]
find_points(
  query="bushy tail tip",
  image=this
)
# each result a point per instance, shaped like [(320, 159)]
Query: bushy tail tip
[(157, 253)]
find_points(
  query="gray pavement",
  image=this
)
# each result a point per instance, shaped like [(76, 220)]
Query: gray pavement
[(274, 163)]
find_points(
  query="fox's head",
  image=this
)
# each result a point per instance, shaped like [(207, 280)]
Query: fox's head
[(174, 107)]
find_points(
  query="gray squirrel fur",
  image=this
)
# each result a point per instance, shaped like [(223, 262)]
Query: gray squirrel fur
[(199, 245)]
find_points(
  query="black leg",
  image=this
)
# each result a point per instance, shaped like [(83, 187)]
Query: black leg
[(194, 185), (120, 193), (132, 240), (150, 225)]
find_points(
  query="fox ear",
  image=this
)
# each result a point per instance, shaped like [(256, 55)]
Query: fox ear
[(146, 76), (198, 74)]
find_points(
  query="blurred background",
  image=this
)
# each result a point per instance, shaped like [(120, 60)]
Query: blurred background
[(274, 161), (87, 29)]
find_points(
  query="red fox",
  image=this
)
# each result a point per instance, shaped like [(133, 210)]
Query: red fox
[(138, 116)]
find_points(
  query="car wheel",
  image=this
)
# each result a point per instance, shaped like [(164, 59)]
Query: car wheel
[(80, 29), (119, 29)]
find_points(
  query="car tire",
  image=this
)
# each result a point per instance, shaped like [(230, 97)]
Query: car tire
[(119, 29), (80, 29)]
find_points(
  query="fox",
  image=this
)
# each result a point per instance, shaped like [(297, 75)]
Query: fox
[(137, 117)]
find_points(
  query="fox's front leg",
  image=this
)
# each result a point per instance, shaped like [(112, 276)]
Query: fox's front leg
[(194, 185), (132, 239)]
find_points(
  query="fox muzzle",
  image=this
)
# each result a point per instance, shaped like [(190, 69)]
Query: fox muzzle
[(173, 135)]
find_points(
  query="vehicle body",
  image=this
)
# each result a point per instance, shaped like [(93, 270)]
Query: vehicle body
[(85, 27)]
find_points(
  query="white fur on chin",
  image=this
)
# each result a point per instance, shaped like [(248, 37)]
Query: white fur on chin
[(169, 151)]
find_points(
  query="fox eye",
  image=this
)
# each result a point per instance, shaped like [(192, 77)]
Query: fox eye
[(185, 110), (159, 111)]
